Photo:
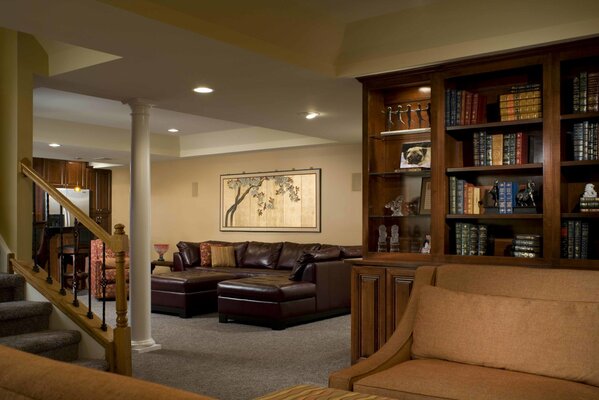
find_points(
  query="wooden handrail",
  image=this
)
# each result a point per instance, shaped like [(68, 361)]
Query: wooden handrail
[(64, 202), (117, 342)]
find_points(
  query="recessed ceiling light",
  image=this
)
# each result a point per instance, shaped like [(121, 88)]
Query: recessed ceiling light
[(424, 89), (203, 89), (173, 130), (54, 145), (312, 115)]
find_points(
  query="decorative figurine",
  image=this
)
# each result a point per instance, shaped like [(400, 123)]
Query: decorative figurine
[(389, 118), (525, 197), (394, 243), (494, 193), (589, 191), (396, 206), (426, 245), (382, 244)]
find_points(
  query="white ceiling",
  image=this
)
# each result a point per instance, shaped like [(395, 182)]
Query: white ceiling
[(267, 60)]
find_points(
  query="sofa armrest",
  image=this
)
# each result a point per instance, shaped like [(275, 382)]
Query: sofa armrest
[(398, 347), (178, 262), (333, 283)]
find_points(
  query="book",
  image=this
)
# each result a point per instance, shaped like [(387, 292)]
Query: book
[(570, 239), (468, 109), (460, 196), (497, 149), (476, 200), (501, 198), (521, 148), (564, 240), (584, 240), (576, 94), (453, 188), (469, 199), (458, 238), (577, 238), (582, 98)]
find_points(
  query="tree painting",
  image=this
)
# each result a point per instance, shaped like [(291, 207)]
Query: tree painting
[(252, 186)]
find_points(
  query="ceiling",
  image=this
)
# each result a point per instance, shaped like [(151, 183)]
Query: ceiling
[(267, 60)]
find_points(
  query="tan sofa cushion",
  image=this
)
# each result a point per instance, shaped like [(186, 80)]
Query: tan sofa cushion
[(552, 338), (436, 379)]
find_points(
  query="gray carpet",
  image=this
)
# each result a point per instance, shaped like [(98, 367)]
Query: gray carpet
[(235, 361)]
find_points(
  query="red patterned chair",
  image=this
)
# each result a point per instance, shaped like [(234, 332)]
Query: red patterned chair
[(95, 267)]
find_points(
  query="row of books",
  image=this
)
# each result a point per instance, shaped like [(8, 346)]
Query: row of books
[(470, 239), (464, 108), (585, 140), (506, 194), (574, 239), (523, 102), (589, 204), (526, 245), (500, 148), (585, 92), (464, 197)]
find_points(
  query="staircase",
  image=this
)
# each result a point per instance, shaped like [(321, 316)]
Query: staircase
[(24, 325)]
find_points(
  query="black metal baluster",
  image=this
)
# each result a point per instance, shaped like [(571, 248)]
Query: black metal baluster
[(90, 314), (49, 277), (61, 266), (103, 284), (75, 254), (36, 268)]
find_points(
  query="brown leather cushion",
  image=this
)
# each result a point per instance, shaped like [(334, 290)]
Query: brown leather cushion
[(262, 255), (189, 252), (327, 254), (292, 251), (351, 251), (266, 288)]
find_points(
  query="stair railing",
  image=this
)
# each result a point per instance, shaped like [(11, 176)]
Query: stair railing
[(116, 341)]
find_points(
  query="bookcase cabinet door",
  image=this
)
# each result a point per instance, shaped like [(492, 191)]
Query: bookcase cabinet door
[(398, 288), (368, 311)]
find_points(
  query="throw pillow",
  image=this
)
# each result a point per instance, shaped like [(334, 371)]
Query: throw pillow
[(543, 337), (205, 255), (223, 256)]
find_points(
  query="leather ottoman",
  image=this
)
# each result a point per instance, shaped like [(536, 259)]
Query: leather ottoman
[(275, 301), (186, 293)]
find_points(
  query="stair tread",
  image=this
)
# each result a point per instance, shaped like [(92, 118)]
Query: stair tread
[(23, 309), (11, 280), (101, 365), (43, 341)]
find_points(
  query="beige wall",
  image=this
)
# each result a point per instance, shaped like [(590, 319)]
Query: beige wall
[(176, 215)]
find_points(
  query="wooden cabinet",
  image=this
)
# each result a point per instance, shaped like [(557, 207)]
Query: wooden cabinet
[(507, 122), (75, 175), (53, 171), (379, 298), (101, 194)]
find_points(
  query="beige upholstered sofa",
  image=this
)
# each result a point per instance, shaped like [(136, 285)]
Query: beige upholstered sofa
[(28, 376), (485, 332)]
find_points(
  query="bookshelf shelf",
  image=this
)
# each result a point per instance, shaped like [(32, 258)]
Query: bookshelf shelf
[(502, 260), (493, 216), (400, 173), (582, 215), (491, 125), (400, 216), (579, 164), (580, 116), (526, 169)]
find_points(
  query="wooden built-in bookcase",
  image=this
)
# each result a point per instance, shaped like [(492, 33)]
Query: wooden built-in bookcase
[(524, 97)]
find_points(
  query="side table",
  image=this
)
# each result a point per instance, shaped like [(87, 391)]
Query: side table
[(164, 263)]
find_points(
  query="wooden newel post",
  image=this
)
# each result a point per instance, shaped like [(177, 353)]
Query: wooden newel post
[(119, 244)]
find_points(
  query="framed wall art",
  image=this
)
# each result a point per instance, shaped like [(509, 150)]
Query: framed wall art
[(272, 201)]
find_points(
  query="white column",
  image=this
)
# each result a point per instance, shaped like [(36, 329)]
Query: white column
[(140, 229)]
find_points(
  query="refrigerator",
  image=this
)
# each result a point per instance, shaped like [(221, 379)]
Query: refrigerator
[(79, 198)]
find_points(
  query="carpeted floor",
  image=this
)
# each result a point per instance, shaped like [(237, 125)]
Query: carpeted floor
[(234, 361)]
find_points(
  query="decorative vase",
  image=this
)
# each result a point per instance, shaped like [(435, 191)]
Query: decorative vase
[(161, 249)]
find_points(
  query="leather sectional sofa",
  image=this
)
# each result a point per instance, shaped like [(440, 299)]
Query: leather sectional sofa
[(276, 284)]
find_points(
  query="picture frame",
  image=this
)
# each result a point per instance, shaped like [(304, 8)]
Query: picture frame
[(425, 196), (416, 155), (271, 201)]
